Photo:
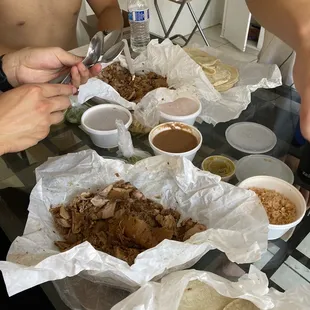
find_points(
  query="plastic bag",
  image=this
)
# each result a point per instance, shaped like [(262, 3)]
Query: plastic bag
[(125, 146)]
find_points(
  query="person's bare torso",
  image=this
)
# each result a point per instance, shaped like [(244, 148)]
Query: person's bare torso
[(38, 23)]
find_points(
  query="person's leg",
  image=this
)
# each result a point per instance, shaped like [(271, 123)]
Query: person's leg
[(275, 51)]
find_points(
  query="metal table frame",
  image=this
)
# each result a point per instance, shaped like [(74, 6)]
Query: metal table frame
[(197, 20)]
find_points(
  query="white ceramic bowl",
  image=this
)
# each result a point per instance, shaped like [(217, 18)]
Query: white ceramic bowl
[(166, 126), (221, 160), (104, 138), (187, 119), (287, 190)]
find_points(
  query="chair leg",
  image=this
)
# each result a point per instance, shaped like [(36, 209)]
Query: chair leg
[(167, 32), (197, 23), (199, 20), (175, 19), (160, 17)]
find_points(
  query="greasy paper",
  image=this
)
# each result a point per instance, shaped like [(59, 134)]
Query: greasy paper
[(185, 75), (165, 59), (237, 223), (230, 104), (252, 76)]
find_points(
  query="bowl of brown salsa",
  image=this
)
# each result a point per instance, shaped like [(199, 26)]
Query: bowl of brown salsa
[(176, 139)]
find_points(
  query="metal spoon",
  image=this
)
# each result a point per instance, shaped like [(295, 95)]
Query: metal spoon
[(111, 39), (112, 53), (94, 52)]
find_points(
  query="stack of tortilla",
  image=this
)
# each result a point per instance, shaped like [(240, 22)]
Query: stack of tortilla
[(200, 296), (222, 76)]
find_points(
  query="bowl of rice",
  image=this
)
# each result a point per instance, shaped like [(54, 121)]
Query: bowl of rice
[(284, 204)]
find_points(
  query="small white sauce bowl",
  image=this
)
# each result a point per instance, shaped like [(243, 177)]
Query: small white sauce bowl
[(176, 125), (104, 138), (221, 159), (287, 190), (186, 119)]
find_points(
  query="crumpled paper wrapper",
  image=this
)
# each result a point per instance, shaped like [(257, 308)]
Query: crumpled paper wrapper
[(125, 145), (166, 59), (237, 223), (253, 286), (230, 103), (252, 76), (185, 76)]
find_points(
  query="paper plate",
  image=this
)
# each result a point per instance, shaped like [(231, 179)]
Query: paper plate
[(251, 138), (254, 165)]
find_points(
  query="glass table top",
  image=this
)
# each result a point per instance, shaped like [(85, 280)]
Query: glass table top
[(287, 261)]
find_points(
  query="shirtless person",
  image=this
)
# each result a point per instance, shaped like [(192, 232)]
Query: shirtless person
[(40, 23), (290, 21)]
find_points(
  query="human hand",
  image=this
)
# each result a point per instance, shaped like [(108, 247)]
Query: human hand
[(41, 65), (27, 112)]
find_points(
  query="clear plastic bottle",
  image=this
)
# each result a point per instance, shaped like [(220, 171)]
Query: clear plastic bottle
[(139, 18)]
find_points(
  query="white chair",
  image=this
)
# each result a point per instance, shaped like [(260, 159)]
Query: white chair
[(197, 20)]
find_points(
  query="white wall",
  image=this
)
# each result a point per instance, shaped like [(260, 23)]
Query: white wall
[(185, 22)]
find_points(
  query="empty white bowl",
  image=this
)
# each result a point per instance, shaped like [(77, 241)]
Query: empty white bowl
[(99, 123), (253, 165), (287, 190), (176, 125)]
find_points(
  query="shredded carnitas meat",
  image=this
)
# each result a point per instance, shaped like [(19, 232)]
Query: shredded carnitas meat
[(132, 90), (119, 220)]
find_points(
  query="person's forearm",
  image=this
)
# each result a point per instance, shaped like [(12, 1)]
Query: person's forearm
[(287, 19), (2, 148), (110, 19), (9, 68)]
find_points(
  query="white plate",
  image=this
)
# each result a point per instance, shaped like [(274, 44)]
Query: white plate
[(254, 165), (251, 138)]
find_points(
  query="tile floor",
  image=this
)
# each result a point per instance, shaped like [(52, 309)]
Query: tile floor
[(213, 35)]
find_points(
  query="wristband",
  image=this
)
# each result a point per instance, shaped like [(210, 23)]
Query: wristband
[(4, 84)]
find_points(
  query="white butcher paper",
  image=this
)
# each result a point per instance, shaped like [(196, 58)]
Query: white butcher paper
[(184, 75), (236, 220), (253, 286), (165, 59)]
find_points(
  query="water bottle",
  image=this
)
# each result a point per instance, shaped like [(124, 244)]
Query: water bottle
[(139, 18)]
